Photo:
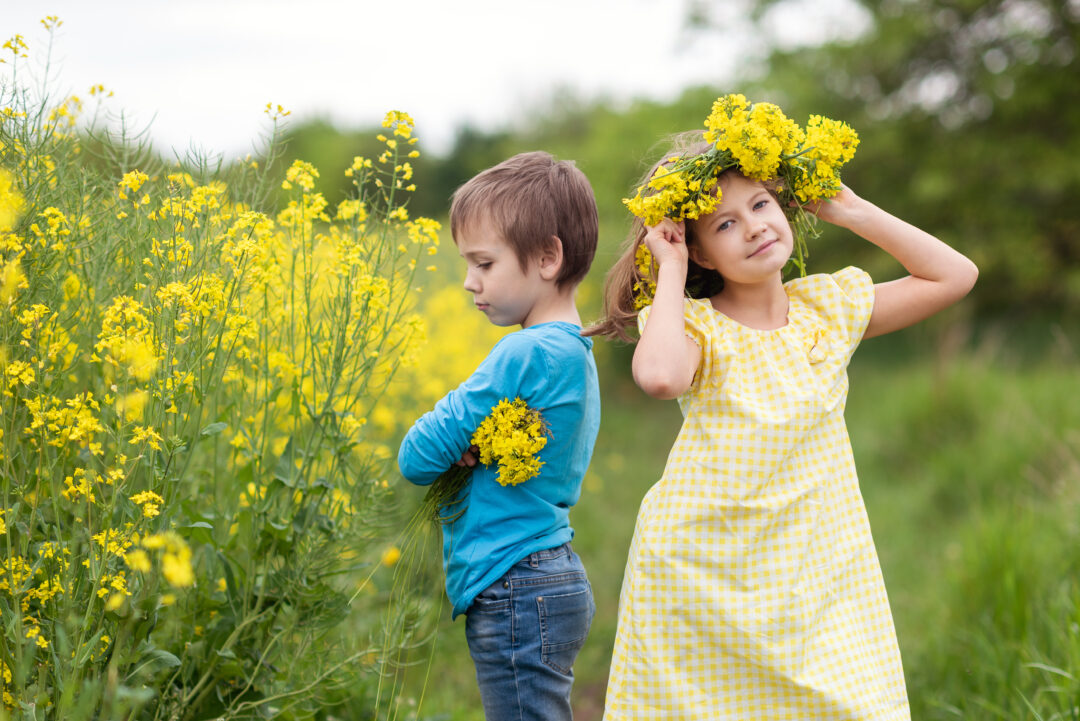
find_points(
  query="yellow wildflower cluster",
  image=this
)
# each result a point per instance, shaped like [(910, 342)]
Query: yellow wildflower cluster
[(645, 276), (157, 333), (149, 502), (758, 136), (17, 45), (512, 436), (11, 202), (175, 557), (763, 144)]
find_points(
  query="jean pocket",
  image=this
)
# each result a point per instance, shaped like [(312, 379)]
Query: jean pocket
[(491, 600), (564, 625)]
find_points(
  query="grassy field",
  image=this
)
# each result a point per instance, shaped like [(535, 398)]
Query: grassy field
[(970, 465)]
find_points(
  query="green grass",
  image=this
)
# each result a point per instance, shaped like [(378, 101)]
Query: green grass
[(970, 465)]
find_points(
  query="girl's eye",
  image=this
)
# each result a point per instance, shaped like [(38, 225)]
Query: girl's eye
[(725, 225), (483, 265), (761, 204)]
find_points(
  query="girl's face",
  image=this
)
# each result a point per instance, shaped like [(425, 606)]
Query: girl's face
[(747, 239)]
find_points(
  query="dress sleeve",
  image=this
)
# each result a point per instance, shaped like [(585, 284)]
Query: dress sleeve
[(695, 317), (516, 366), (696, 314), (852, 304)]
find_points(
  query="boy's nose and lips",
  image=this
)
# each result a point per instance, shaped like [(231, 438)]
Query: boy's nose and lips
[(472, 285)]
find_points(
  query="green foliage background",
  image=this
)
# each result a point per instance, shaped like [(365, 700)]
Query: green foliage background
[(966, 430)]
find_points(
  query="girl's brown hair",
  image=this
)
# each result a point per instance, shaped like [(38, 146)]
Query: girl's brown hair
[(620, 313)]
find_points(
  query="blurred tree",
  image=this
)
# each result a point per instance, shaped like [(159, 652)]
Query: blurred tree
[(966, 109), (971, 129)]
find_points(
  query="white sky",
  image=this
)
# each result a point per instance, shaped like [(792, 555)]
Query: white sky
[(200, 72)]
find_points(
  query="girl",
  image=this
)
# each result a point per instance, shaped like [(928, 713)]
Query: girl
[(752, 588)]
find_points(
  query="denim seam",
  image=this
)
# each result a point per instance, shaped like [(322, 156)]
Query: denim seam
[(514, 652), (543, 580), (551, 553)]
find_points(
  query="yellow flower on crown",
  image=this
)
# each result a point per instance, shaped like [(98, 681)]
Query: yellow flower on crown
[(763, 144)]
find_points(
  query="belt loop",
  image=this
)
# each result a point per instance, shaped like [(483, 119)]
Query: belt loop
[(534, 561)]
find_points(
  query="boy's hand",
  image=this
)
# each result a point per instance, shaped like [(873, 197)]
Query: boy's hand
[(468, 458), (667, 241)]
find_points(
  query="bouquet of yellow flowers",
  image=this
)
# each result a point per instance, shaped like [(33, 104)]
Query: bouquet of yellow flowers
[(511, 437), (801, 165)]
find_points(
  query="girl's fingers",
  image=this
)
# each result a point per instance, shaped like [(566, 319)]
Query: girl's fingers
[(668, 229)]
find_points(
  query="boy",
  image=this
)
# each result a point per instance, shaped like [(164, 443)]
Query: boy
[(527, 228)]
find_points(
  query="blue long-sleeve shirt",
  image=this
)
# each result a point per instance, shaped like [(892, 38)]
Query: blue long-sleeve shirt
[(551, 367)]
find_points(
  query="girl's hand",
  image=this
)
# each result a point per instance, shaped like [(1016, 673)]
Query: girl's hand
[(939, 276), (667, 241), (842, 209), (666, 359)]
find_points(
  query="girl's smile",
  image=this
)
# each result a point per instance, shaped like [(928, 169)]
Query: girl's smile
[(763, 247)]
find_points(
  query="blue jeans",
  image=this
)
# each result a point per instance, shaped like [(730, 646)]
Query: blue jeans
[(524, 632)]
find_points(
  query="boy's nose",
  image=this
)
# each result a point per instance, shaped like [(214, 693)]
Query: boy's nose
[(470, 283)]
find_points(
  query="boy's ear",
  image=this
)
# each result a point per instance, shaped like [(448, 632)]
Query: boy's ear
[(551, 259)]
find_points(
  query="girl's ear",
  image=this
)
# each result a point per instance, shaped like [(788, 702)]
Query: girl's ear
[(551, 259), (694, 251)]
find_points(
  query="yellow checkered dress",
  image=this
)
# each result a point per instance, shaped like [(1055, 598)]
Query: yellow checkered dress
[(753, 590)]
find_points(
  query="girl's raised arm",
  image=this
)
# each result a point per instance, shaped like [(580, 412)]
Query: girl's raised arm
[(939, 275), (665, 359)]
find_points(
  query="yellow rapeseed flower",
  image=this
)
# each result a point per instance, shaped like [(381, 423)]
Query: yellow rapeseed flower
[(12, 280), (131, 183), (150, 502), (175, 558), (390, 556), (11, 202), (138, 560), (511, 436)]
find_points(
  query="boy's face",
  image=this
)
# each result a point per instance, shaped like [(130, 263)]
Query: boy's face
[(504, 292)]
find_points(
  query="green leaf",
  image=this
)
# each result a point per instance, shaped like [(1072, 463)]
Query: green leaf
[(213, 429), (88, 648), (200, 531), (153, 659), (286, 470)]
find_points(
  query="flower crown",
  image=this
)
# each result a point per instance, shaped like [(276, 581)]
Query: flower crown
[(764, 145)]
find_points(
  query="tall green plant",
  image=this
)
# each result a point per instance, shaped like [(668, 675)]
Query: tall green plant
[(189, 497)]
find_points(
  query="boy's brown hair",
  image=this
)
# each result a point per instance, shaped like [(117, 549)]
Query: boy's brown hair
[(530, 198)]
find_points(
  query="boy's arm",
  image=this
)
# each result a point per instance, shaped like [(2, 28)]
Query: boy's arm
[(429, 447), (440, 437), (939, 275)]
